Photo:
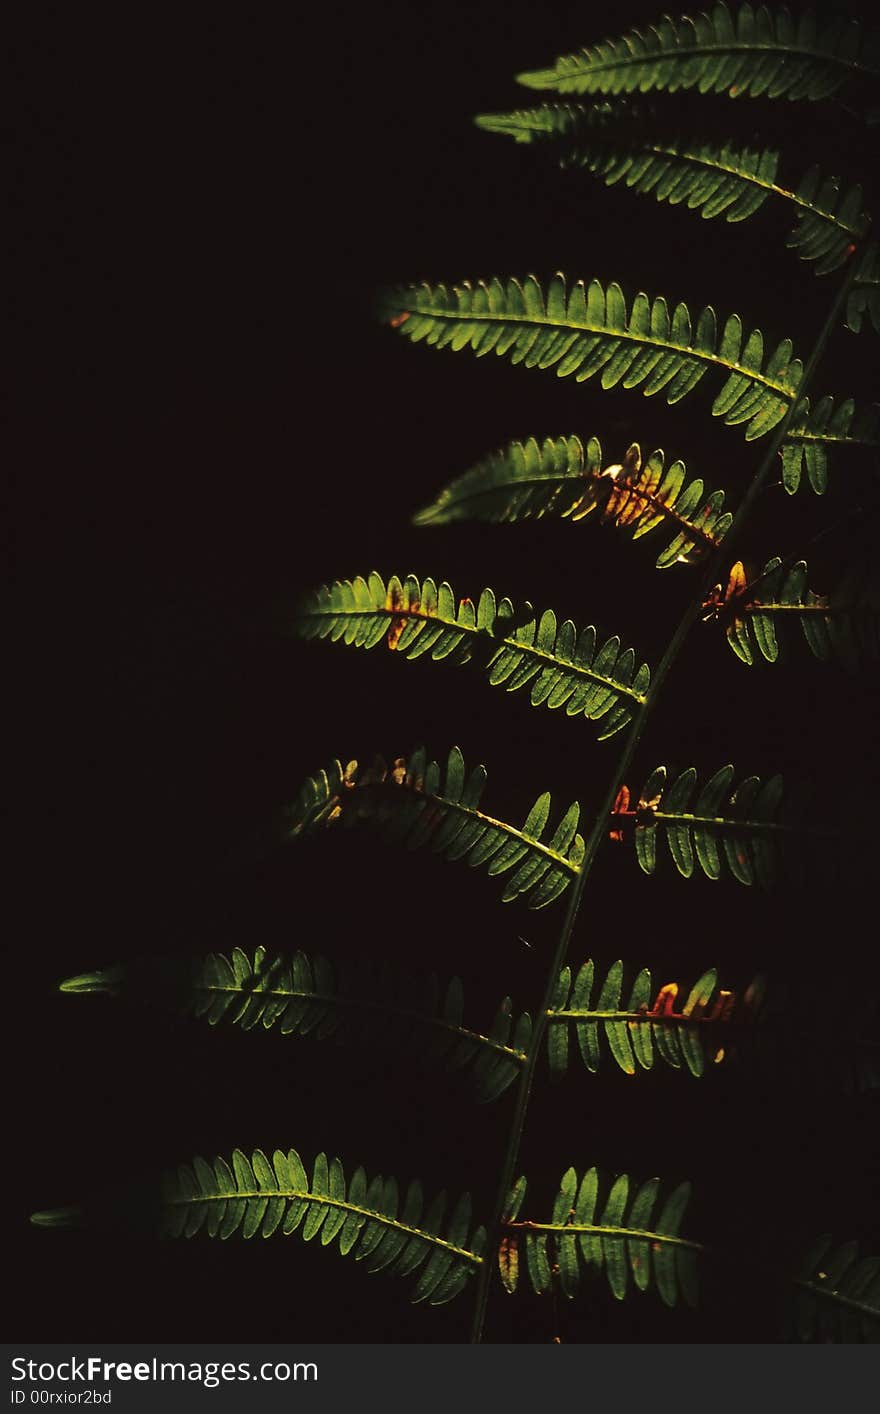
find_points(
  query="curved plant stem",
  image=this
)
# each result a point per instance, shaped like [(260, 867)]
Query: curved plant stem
[(600, 828)]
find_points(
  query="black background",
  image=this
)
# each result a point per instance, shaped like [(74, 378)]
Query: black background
[(211, 423)]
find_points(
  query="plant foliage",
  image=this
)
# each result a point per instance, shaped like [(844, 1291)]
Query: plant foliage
[(838, 1294), (648, 1023), (758, 52), (364, 1217), (526, 481), (844, 625), (590, 330), (738, 829), (630, 1234), (864, 297), (811, 432), (359, 1004), (565, 668), (628, 1231), (418, 802), (619, 144)]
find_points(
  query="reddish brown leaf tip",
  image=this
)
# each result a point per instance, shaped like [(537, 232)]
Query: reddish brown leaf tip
[(620, 807)]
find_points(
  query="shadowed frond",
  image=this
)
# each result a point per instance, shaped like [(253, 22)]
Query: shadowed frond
[(811, 433), (355, 1002), (844, 625), (561, 477), (364, 1217), (838, 1295), (619, 145), (688, 1038), (734, 827), (864, 296), (589, 330), (620, 1234), (358, 1003), (565, 668), (832, 223), (417, 803), (759, 52)]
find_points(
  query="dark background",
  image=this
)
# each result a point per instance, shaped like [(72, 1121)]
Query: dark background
[(212, 422)]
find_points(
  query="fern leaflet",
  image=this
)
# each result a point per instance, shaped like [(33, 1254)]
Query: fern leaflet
[(759, 52), (864, 297), (621, 1235), (417, 803), (589, 330), (838, 1296), (564, 667), (684, 1039), (845, 625), (561, 477), (616, 144), (363, 1217), (736, 828), (298, 995), (811, 433)]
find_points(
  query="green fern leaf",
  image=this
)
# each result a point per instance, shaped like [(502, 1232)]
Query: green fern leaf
[(844, 625), (838, 1296), (686, 1039), (864, 297), (564, 667), (526, 481), (620, 1234), (617, 143), (811, 433), (362, 1005), (418, 803), (734, 828), (589, 330), (254, 1195), (760, 52), (355, 1002), (831, 225)]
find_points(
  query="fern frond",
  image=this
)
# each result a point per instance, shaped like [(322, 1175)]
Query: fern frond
[(811, 432), (737, 828), (362, 1216), (356, 1003), (838, 1296), (525, 481), (685, 1039), (832, 223), (589, 330), (547, 122), (565, 668), (864, 296), (417, 803), (621, 1235), (756, 53), (844, 625), (305, 996), (617, 144)]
